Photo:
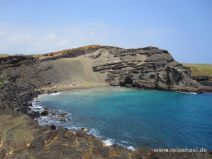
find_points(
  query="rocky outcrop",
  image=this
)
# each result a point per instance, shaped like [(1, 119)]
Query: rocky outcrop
[(148, 67), (70, 53), (204, 80), (14, 59), (24, 76)]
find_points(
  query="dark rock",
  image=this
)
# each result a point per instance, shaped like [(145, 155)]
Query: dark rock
[(14, 59), (148, 67), (53, 127), (201, 78), (44, 112)]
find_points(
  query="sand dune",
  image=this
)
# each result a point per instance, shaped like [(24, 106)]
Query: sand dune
[(67, 73)]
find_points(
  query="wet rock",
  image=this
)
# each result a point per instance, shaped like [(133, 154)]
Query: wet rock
[(44, 112), (62, 119), (33, 114), (201, 78)]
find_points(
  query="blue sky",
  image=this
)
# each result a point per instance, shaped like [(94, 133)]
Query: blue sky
[(183, 27)]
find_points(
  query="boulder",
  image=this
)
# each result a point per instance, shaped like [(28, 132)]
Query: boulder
[(45, 112)]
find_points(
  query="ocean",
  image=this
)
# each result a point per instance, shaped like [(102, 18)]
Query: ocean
[(136, 117)]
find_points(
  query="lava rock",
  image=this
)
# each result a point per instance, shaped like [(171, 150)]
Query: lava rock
[(44, 112)]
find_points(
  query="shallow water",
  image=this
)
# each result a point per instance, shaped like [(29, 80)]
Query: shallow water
[(139, 118)]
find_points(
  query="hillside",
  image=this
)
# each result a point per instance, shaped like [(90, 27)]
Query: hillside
[(201, 73), (200, 69), (96, 65), (4, 55)]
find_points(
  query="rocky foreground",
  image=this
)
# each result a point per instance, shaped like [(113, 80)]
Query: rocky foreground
[(22, 78)]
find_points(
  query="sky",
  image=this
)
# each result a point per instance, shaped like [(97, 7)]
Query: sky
[(183, 27)]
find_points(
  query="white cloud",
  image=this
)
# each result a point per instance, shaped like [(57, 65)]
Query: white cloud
[(34, 40), (2, 33), (50, 37)]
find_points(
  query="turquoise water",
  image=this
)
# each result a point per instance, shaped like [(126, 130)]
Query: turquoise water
[(139, 118)]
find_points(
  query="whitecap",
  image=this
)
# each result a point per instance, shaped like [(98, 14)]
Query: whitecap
[(108, 142), (131, 148), (94, 132), (56, 117), (35, 107), (125, 142), (46, 120), (74, 128), (53, 94), (187, 92), (191, 93)]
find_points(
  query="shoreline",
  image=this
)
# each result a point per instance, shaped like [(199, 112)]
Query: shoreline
[(49, 129), (57, 123), (53, 118), (67, 87)]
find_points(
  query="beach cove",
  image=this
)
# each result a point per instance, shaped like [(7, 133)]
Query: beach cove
[(133, 117)]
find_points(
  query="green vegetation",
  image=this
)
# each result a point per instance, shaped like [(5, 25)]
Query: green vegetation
[(200, 69), (4, 55), (83, 48), (36, 55), (67, 51), (3, 79)]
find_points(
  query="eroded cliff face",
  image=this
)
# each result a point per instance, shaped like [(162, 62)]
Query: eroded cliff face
[(148, 67)]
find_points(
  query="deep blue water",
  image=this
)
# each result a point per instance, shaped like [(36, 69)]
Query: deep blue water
[(139, 118)]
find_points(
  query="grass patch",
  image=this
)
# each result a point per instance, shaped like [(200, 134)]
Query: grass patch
[(200, 69), (4, 55), (69, 51), (36, 55)]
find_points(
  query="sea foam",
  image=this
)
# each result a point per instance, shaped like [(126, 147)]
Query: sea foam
[(108, 142)]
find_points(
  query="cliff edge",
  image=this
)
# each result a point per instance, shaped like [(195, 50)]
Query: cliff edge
[(148, 67)]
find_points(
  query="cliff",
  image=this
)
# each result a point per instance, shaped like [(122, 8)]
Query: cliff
[(148, 67), (24, 77), (95, 65)]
